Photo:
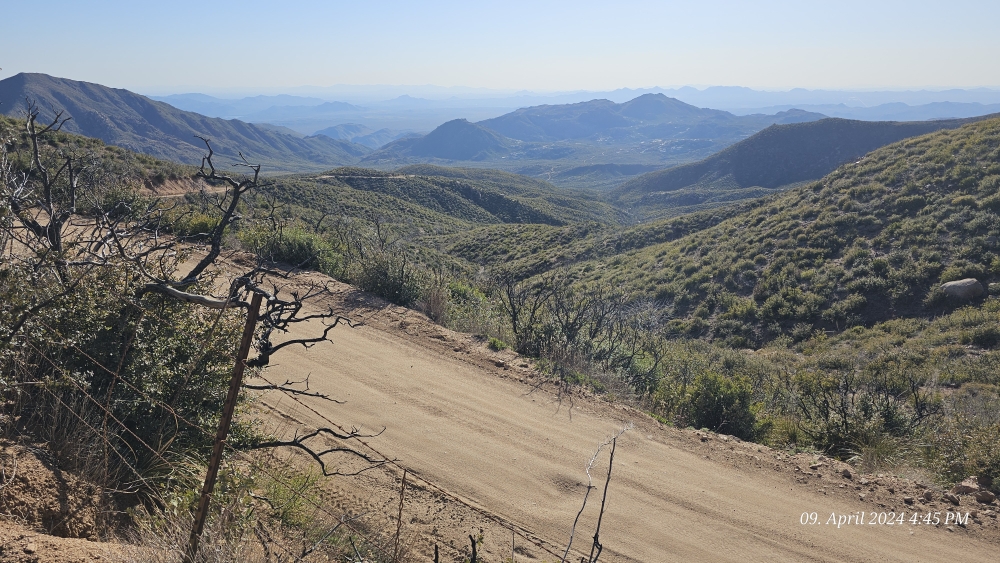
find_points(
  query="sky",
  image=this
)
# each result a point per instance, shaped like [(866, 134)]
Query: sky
[(216, 46)]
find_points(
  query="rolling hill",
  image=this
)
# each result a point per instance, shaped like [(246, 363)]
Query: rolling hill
[(869, 242), (776, 157), (137, 123), (440, 200), (455, 140)]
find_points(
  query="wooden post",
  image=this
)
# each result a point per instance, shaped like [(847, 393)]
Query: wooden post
[(220, 437)]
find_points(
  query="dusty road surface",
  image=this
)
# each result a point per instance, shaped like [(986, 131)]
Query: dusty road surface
[(496, 439)]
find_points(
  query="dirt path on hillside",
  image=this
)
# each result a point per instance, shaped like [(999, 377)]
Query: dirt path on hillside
[(495, 437)]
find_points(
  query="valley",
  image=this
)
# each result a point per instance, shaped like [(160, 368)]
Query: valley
[(760, 297), (597, 144)]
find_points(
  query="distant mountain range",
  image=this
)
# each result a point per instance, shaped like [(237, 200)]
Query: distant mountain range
[(896, 111), (588, 144), (309, 115), (650, 116), (775, 158), (135, 122), (424, 107), (594, 144), (362, 135), (235, 109), (528, 133)]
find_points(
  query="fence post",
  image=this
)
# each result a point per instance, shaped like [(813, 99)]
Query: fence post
[(220, 437)]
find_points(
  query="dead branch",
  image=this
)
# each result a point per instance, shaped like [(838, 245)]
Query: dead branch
[(284, 388), (317, 455), (202, 300), (590, 486), (343, 520), (597, 532), (237, 189)]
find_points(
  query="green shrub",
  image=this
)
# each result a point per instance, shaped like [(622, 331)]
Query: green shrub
[(986, 336), (388, 274), (293, 246), (497, 345), (961, 270), (964, 200), (195, 225), (722, 404)]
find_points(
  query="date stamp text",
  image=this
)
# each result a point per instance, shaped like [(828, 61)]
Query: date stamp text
[(889, 518)]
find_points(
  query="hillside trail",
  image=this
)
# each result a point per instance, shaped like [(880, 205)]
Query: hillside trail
[(495, 450)]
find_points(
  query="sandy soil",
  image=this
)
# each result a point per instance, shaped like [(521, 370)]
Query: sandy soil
[(20, 544), (39, 503), (174, 188), (499, 452)]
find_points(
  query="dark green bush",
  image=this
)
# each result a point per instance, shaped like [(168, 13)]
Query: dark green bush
[(294, 246), (722, 404), (388, 274)]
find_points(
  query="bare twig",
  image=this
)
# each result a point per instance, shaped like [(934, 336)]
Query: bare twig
[(284, 388), (298, 442), (590, 486), (597, 532)]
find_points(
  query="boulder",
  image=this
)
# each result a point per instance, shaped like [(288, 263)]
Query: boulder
[(966, 289), (928, 496), (950, 498), (985, 497), (967, 487)]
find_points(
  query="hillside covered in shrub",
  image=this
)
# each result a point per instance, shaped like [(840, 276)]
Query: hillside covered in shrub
[(868, 243), (777, 157)]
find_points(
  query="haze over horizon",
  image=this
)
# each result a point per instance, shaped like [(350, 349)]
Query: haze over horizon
[(543, 48)]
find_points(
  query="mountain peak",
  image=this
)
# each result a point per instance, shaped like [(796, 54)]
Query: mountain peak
[(457, 139)]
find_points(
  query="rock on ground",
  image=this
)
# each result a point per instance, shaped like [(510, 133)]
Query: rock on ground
[(969, 288)]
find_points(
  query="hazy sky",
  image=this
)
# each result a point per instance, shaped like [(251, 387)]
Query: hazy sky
[(176, 46)]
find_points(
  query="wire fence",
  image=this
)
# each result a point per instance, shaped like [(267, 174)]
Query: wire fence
[(112, 430)]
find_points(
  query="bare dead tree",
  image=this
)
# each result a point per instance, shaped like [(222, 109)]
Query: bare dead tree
[(521, 301), (35, 200), (45, 235), (38, 198), (572, 309)]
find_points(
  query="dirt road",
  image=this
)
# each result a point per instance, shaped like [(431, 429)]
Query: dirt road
[(519, 451)]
